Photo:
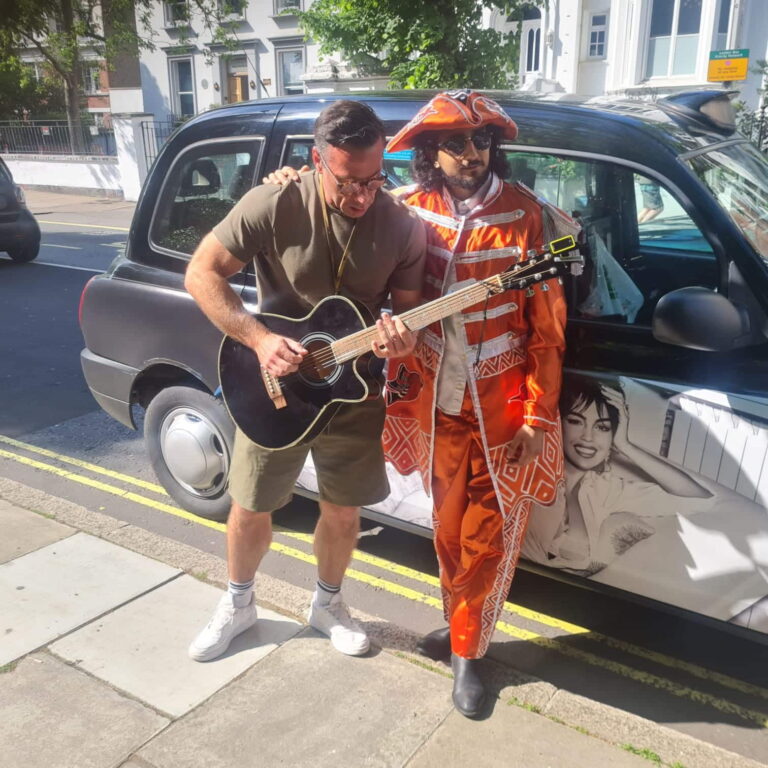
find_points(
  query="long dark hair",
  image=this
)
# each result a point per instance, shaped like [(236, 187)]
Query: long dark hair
[(425, 152)]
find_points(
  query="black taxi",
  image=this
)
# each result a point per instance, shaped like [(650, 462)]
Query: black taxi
[(665, 395)]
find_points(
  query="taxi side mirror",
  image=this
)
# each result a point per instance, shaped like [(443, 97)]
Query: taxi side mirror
[(698, 318)]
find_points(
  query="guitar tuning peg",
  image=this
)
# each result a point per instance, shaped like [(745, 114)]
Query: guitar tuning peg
[(530, 293), (560, 280)]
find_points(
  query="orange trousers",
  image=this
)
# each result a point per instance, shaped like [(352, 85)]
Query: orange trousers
[(476, 566)]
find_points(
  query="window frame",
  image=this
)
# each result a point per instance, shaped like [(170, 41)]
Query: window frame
[(673, 37), (235, 15), (257, 141), (174, 83), (168, 21), (286, 11), (288, 48), (720, 256), (88, 68), (593, 28)]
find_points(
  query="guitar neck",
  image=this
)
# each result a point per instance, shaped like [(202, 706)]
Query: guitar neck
[(358, 343)]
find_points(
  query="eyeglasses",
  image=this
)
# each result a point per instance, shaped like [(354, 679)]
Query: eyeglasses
[(349, 188), (457, 144)]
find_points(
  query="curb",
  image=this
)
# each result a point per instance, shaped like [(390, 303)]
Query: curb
[(601, 721)]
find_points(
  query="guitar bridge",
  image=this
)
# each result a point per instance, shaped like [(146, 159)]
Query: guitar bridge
[(274, 390)]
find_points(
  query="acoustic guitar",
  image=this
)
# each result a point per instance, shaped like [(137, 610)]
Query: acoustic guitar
[(279, 412)]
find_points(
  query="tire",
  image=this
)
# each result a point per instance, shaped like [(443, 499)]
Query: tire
[(24, 253), (189, 437)]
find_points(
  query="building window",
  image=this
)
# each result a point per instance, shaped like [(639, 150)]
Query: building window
[(91, 78), (233, 9), (290, 68), (533, 48), (721, 35), (674, 38), (286, 6), (598, 28), (175, 13), (182, 87)]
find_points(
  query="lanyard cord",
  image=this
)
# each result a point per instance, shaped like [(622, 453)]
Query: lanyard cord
[(329, 239)]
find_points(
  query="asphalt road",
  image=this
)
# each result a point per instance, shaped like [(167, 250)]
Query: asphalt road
[(53, 437)]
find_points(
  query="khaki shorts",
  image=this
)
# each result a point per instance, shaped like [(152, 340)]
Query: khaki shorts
[(347, 454)]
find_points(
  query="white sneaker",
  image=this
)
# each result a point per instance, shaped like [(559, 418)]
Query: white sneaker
[(334, 620), (228, 621)]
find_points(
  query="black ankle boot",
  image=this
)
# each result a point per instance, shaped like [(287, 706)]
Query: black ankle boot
[(436, 645), (468, 689)]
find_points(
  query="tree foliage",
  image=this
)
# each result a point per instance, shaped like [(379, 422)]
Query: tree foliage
[(419, 44), (21, 93), (59, 31)]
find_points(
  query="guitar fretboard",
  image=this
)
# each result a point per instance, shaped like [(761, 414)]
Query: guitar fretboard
[(358, 343)]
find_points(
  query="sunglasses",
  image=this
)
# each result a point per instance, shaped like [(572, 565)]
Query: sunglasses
[(457, 145), (349, 188)]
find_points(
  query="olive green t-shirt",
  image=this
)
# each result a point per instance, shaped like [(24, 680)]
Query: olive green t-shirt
[(282, 230)]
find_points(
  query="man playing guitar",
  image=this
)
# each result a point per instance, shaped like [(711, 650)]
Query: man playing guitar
[(334, 234)]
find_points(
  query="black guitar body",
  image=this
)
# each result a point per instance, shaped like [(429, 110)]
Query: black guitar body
[(315, 392)]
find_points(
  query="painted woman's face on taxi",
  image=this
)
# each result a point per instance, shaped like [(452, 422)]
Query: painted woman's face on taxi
[(587, 438)]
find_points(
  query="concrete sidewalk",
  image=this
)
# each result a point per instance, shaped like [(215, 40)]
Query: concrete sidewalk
[(96, 618), (60, 207)]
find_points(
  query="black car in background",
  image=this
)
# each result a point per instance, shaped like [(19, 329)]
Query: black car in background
[(671, 313), (19, 231)]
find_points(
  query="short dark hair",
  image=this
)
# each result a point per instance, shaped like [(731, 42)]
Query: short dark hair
[(348, 123), (579, 392), (425, 153)]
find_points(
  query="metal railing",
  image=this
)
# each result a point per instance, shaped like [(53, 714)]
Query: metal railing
[(155, 133), (54, 137), (754, 125)]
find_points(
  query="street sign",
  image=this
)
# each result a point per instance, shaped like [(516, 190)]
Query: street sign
[(728, 65)]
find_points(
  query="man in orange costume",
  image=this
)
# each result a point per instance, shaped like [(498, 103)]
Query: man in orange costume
[(475, 407)]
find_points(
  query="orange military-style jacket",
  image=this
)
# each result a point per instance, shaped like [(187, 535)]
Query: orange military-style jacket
[(520, 335)]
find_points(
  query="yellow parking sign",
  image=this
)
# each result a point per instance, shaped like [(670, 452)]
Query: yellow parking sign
[(728, 65)]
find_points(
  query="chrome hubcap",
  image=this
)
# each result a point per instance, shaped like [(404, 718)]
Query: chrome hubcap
[(195, 452)]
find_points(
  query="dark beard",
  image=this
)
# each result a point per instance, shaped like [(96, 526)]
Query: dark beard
[(466, 182)]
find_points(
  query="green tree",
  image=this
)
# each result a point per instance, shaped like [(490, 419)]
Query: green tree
[(59, 30), (22, 93), (427, 44)]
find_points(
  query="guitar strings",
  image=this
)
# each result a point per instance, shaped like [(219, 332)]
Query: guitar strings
[(326, 356)]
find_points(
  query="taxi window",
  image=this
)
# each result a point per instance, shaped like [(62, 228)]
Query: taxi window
[(203, 186), (397, 165), (641, 242)]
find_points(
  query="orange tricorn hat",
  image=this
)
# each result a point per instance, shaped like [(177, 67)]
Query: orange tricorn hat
[(454, 110)]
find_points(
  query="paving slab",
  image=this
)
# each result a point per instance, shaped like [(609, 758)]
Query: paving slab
[(58, 588), (141, 648), (308, 705), (25, 531), (77, 722), (537, 743)]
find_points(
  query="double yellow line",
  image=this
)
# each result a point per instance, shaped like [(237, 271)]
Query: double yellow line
[(553, 643)]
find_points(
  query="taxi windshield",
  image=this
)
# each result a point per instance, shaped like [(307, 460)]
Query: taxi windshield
[(737, 175)]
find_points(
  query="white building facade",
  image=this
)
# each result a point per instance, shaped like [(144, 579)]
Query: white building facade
[(188, 72), (636, 48)]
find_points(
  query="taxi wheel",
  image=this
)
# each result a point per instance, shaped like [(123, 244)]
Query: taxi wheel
[(24, 253), (189, 437)]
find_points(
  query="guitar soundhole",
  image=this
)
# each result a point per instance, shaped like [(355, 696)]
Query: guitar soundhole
[(319, 368)]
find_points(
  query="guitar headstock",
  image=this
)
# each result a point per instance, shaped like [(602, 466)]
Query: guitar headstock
[(554, 259)]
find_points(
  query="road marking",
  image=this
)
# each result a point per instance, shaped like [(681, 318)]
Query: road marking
[(89, 226), (67, 247), (85, 465), (60, 266), (400, 590)]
